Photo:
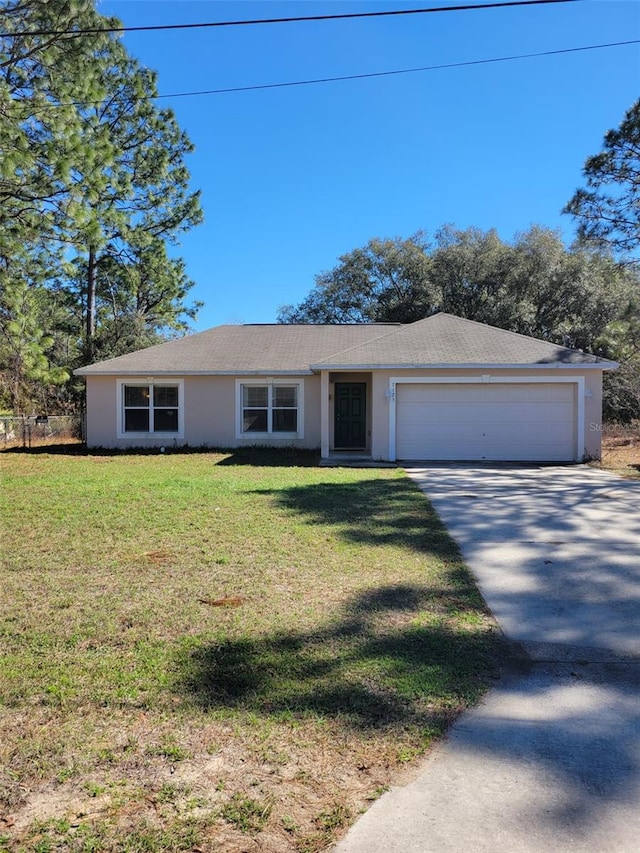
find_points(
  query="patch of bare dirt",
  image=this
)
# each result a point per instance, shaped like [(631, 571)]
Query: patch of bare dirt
[(37, 441), (53, 802), (621, 448), (313, 790)]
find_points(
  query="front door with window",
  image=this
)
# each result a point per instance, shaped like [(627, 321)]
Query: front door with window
[(350, 408)]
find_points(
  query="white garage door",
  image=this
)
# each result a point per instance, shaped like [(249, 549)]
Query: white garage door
[(502, 421)]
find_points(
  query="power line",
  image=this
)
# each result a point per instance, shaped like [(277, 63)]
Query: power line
[(398, 71), (366, 76), (343, 16)]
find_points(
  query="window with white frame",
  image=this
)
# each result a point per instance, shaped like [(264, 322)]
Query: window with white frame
[(150, 408), (270, 409)]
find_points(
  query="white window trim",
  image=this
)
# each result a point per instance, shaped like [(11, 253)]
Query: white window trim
[(271, 436), (149, 383), (579, 450)]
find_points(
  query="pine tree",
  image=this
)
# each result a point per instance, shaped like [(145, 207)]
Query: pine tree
[(608, 208), (88, 164)]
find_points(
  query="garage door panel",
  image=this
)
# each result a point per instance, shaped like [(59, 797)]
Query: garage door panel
[(490, 393), (441, 413), (500, 431), (493, 444), (505, 421)]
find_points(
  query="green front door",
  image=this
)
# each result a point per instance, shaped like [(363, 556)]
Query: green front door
[(350, 416)]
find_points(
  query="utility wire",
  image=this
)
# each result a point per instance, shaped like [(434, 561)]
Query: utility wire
[(399, 71), (343, 16), (373, 74)]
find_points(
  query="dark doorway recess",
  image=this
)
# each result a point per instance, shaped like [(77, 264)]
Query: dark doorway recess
[(350, 407)]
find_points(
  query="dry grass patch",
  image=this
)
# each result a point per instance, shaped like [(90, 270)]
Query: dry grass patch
[(621, 449), (203, 655)]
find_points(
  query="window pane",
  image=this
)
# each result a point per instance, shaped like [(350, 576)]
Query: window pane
[(136, 420), (284, 396), (165, 420), (255, 395), (285, 420), (254, 420), (136, 395), (165, 395)]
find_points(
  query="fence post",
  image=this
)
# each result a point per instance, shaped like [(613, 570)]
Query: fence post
[(25, 430)]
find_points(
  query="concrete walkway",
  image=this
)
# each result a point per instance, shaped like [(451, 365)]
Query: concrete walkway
[(550, 760)]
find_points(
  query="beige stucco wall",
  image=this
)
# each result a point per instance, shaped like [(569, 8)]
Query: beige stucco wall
[(593, 414), (210, 409), (209, 414), (101, 411), (592, 409)]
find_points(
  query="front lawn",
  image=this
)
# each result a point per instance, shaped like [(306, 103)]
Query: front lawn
[(205, 654)]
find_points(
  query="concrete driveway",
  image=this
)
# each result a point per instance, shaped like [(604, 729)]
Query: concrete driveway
[(555, 551), (551, 759)]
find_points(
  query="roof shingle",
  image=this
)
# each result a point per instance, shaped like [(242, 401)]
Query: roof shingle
[(444, 339), (439, 340), (243, 349)]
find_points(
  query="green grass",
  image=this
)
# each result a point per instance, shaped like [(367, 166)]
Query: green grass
[(355, 636), (248, 815)]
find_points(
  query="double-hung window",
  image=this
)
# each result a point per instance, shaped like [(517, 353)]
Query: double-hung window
[(147, 408), (270, 409)]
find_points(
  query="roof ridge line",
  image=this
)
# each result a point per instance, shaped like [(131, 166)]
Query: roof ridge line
[(315, 325), (401, 327)]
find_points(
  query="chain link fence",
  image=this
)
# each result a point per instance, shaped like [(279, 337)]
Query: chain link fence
[(40, 430)]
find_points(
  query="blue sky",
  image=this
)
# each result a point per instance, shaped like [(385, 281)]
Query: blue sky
[(292, 178)]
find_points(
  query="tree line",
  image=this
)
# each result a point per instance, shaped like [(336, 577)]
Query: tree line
[(586, 296), (94, 189), (578, 297)]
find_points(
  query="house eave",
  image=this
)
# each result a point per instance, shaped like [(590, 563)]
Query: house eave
[(84, 371), (556, 365), (316, 368)]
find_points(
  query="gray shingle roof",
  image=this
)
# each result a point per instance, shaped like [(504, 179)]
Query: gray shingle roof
[(444, 339), (438, 340), (243, 349)]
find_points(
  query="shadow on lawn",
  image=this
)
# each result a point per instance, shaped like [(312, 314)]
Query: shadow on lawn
[(398, 657), (65, 449), (374, 511), (397, 654), (374, 668), (262, 457), (271, 457)]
